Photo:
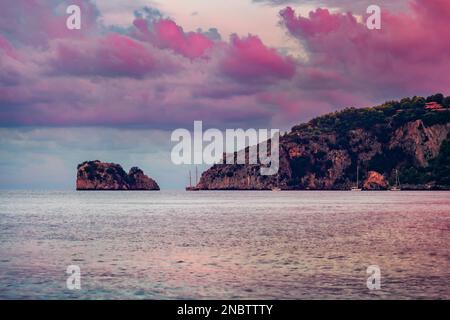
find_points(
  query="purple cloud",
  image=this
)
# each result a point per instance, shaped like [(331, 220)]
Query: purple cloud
[(248, 59)]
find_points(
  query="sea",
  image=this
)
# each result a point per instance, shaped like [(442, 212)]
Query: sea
[(224, 245)]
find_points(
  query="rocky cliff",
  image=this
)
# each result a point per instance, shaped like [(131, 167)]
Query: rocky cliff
[(97, 175), (324, 153)]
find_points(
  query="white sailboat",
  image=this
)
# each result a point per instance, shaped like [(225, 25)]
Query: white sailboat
[(397, 186), (356, 188)]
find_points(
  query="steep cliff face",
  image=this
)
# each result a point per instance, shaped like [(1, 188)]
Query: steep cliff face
[(97, 175), (324, 153), (419, 141)]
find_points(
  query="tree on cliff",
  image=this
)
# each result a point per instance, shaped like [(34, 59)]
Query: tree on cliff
[(441, 165)]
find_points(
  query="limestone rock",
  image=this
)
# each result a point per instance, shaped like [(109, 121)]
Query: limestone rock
[(97, 175)]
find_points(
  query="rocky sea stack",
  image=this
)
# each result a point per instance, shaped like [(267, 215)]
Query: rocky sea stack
[(97, 175), (409, 137)]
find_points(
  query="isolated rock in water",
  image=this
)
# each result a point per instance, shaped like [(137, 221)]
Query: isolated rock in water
[(97, 175), (139, 181), (375, 181)]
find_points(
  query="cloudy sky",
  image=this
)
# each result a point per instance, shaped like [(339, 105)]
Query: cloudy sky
[(137, 70)]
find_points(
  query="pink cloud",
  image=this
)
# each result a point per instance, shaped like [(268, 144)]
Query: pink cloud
[(166, 34), (318, 22), (111, 55), (7, 48), (409, 55), (11, 64), (248, 59)]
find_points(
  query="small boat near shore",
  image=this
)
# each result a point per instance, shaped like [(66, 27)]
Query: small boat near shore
[(397, 186)]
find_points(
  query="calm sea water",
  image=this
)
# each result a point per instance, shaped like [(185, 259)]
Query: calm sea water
[(240, 245)]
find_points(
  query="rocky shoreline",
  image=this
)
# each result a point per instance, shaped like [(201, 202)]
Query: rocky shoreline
[(405, 137)]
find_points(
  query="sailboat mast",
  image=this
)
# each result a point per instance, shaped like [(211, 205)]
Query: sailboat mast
[(190, 179), (357, 176)]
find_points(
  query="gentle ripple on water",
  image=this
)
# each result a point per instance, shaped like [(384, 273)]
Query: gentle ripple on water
[(222, 245)]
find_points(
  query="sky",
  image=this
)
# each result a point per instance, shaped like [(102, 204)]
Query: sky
[(137, 70)]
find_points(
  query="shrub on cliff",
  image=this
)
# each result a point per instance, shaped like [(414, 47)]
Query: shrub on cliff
[(440, 166)]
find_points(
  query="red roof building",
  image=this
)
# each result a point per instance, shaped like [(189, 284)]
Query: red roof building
[(434, 106)]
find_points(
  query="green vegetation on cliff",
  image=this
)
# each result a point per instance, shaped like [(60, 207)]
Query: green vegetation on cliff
[(389, 115)]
